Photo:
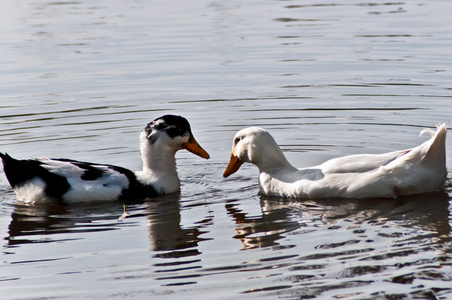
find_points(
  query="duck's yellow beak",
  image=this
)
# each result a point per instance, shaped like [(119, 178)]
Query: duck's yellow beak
[(193, 146), (233, 166)]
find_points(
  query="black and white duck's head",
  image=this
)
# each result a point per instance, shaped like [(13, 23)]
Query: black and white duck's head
[(169, 134)]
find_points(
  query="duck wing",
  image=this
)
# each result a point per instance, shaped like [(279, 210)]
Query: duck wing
[(430, 155), (71, 181), (417, 170), (92, 181), (360, 163)]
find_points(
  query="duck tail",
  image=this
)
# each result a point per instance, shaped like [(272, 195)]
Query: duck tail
[(5, 158), (436, 153), (10, 167)]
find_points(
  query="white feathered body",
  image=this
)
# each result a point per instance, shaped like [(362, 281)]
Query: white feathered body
[(399, 173)]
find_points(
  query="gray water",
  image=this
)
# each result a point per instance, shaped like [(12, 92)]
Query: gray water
[(80, 79)]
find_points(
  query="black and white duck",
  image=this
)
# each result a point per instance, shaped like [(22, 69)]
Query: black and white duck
[(68, 180)]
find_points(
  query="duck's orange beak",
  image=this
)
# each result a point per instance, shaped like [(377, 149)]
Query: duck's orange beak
[(193, 146), (233, 166)]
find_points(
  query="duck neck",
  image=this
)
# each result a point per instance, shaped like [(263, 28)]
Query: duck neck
[(158, 160), (273, 160)]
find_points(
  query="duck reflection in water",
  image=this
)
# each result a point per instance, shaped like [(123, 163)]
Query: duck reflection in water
[(282, 216), (45, 222), (264, 230), (166, 232)]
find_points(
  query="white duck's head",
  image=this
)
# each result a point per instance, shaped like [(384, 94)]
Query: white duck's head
[(255, 145), (165, 136)]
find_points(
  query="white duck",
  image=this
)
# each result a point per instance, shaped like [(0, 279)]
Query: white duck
[(389, 175), (68, 180)]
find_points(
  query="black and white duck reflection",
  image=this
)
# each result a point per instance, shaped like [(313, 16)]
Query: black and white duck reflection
[(412, 171), (49, 222), (68, 181), (169, 234)]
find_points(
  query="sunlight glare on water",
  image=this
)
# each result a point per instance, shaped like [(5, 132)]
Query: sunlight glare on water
[(80, 79)]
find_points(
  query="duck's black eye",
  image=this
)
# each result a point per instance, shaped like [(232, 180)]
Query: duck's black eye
[(174, 131), (236, 140)]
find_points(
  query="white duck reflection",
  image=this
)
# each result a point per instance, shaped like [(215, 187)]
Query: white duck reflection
[(281, 216), (264, 230)]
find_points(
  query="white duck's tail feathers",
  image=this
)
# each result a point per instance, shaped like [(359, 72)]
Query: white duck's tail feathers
[(428, 130), (440, 128), (435, 156)]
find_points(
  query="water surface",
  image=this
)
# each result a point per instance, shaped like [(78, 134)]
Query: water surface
[(80, 79)]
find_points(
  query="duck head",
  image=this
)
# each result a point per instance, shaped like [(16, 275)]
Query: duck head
[(169, 134), (254, 145)]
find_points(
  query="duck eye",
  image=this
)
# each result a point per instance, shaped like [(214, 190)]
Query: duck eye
[(236, 141), (173, 132)]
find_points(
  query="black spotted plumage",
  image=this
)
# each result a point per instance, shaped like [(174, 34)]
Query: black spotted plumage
[(133, 191), (18, 172), (91, 172)]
